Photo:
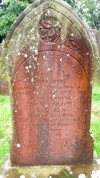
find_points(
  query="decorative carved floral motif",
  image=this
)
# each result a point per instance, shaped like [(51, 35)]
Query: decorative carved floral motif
[(72, 43), (49, 29)]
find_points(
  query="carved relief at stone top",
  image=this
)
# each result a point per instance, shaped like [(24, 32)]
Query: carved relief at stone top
[(72, 43), (49, 29)]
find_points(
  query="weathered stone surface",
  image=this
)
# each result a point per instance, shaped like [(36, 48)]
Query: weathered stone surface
[(3, 87), (75, 171), (3, 83), (97, 35), (50, 56)]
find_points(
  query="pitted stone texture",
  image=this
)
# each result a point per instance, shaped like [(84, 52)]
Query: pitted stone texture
[(97, 35), (52, 171), (3, 87), (50, 60), (3, 83)]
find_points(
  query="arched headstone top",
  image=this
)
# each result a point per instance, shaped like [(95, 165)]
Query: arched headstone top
[(58, 17)]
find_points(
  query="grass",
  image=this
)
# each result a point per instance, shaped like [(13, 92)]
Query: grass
[(5, 123), (95, 122), (96, 94), (95, 127), (5, 126)]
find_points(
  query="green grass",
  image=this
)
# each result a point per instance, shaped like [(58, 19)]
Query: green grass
[(5, 126), (95, 122), (96, 94), (5, 123), (95, 127)]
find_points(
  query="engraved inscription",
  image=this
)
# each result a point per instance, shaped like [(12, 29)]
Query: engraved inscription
[(55, 98)]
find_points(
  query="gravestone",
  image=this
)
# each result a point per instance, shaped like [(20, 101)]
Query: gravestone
[(97, 35), (50, 52), (3, 83), (3, 86)]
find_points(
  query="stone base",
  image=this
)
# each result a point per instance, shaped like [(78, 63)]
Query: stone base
[(50, 171)]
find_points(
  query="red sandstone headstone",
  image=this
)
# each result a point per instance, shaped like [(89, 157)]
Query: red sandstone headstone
[(51, 87)]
